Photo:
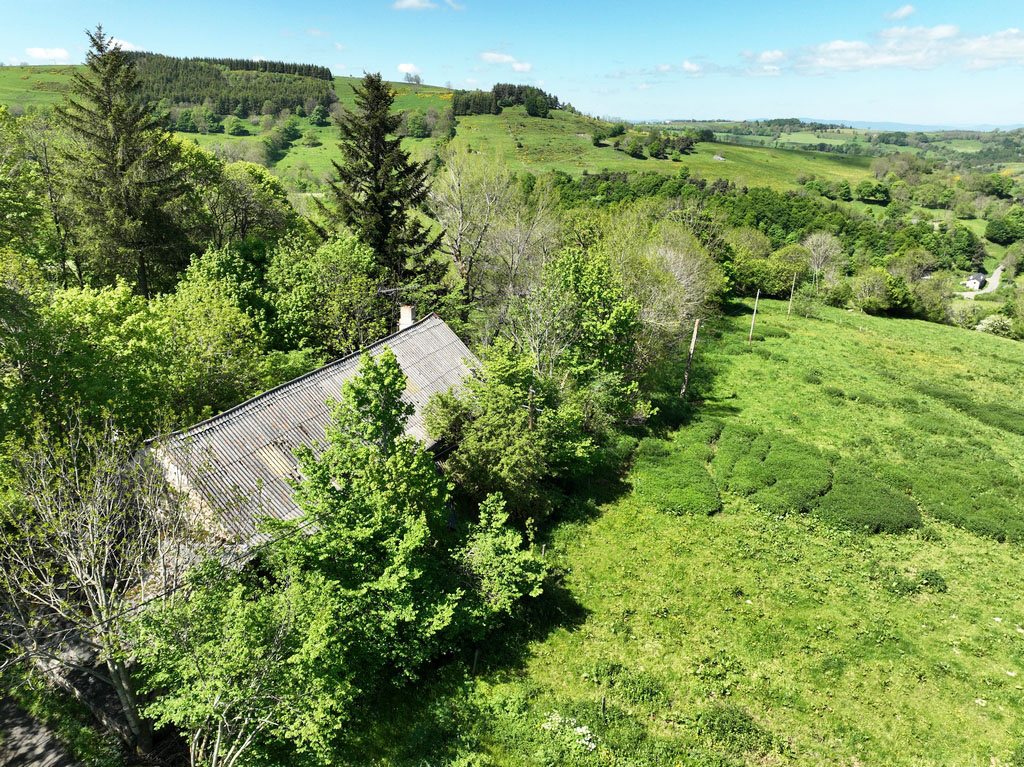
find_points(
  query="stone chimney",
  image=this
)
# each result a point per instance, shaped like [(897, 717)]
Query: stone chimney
[(407, 317)]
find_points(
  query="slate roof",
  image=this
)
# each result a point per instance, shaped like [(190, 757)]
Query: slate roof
[(236, 465)]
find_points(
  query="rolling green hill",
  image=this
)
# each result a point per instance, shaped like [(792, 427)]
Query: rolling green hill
[(763, 635), (559, 143), (34, 86)]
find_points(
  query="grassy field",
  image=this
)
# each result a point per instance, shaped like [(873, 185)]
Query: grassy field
[(756, 636), (563, 143), (34, 86)]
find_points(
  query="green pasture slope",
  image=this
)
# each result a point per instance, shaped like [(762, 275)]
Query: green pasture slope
[(34, 85), (762, 634), (563, 142)]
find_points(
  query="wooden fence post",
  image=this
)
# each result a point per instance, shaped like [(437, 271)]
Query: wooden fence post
[(793, 288), (754, 318), (689, 359)]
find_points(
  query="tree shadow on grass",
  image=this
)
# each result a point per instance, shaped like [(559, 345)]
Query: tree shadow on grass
[(434, 718)]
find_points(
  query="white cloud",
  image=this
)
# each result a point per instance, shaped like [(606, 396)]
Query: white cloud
[(338, 46), (316, 32), (455, 6), (689, 66), (900, 47), (409, 69), (259, 58), (125, 45), (643, 86), (664, 67), (494, 57), (58, 55), (765, 70), (997, 49), (901, 13), (413, 5), (771, 57), (471, 81)]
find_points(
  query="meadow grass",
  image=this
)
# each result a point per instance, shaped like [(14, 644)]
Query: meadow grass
[(759, 634), (34, 85), (563, 143)]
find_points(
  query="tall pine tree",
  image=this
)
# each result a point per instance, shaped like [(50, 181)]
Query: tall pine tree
[(123, 171), (377, 186)]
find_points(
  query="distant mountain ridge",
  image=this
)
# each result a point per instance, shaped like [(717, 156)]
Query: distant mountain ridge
[(892, 126)]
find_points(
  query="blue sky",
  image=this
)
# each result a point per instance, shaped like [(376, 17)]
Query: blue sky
[(930, 62)]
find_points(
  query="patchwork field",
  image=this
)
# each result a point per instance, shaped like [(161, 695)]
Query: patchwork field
[(702, 618)]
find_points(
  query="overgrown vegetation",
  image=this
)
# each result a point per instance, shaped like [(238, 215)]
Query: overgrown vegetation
[(615, 554)]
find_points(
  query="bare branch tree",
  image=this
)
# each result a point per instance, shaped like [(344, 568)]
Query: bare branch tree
[(825, 249), (91, 533), (467, 198)]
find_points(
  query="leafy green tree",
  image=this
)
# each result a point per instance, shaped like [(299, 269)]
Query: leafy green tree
[(186, 122), (379, 507), (446, 124), (326, 296), (377, 186), (235, 127), (123, 173), (22, 219), (513, 433), (537, 106), (416, 125), (247, 669), (319, 116), (248, 201)]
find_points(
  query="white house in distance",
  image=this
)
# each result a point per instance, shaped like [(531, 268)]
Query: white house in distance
[(236, 467), (976, 281)]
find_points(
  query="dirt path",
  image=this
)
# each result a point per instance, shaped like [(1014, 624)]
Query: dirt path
[(26, 743), (990, 286)]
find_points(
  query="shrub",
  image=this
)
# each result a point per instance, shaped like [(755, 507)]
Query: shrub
[(812, 377), (997, 325), (797, 475), (860, 501), (933, 581), (672, 475), (733, 728), (770, 332), (1017, 757), (633, 686)]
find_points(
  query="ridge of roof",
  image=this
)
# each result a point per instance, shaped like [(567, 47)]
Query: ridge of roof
[(225, 415)]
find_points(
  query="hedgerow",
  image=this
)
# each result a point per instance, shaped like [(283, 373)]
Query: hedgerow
[(781, 474), (672, 475), (860, 501)]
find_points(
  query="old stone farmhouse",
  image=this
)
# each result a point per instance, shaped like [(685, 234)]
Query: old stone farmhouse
[(236, 466)]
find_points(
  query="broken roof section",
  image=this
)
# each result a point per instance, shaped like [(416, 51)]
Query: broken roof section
[(237, 465)]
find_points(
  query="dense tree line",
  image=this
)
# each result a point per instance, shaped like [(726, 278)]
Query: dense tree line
[(246, 65), (477, 102), (250, 89), (509, 95)]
